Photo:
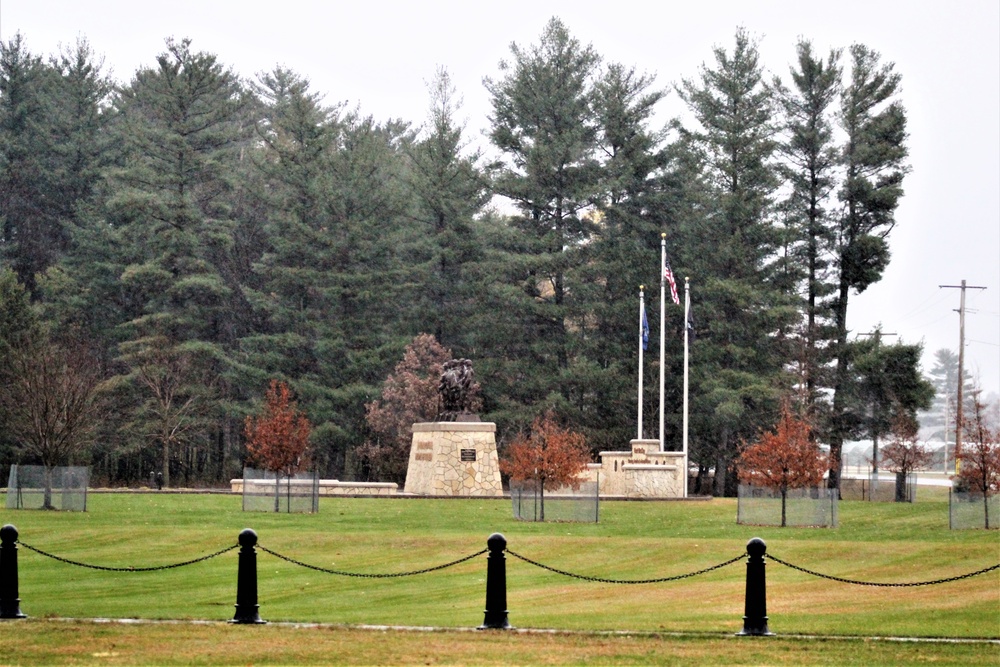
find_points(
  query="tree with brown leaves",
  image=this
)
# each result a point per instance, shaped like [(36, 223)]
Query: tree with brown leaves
[(549, 455), (979, 460), (278, 439), (783, 459), (409, 396), (904, 453)]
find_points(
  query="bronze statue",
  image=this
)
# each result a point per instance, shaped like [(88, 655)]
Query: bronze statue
[(458, 392)]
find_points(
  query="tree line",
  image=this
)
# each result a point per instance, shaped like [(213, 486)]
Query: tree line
[(186, 237)]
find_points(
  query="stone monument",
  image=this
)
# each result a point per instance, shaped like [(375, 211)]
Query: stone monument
[(457, 454)]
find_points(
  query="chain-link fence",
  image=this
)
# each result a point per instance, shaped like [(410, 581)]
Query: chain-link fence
[(876, 489), (969, 510), (580, 504), (267, 491), (57, 488), (764, 506)]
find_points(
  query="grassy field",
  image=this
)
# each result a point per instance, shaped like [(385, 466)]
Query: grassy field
[(883, 542)]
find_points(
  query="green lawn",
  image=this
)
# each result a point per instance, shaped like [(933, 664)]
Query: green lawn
[(687, 622), (875, 541)]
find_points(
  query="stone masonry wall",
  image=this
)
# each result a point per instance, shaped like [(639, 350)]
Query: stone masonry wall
[(453, 459), (643, 472)]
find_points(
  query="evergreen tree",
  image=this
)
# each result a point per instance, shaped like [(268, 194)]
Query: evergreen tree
[(624, 253), (745, 313), (544, 125), (873, 158), (291, 274), (885, 388), (31, 236), (79, 295), (19, 326), (182, 129), (943, 376), (329, 282), (77, 127), (449, 190), (810, 167)]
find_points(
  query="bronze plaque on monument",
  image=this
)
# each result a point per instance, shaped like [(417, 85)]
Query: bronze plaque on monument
[(468, 455)]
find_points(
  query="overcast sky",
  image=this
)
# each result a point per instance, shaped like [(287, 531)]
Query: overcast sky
[(379, 55)]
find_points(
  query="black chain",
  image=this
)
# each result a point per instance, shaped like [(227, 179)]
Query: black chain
[(885, 585), (126, 569), (625, 581), (370, 576)]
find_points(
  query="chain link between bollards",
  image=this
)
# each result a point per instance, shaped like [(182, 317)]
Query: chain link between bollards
[(857, 582)]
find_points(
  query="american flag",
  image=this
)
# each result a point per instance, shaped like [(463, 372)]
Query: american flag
[(669, 275)]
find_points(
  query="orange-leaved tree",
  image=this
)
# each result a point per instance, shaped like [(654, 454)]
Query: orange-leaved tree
[(549, 455), (979, 460), (904, 453), (278, 438), (783, 459)]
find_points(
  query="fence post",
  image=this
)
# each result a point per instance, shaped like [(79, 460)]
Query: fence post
[(755, 606), (495, 617), (10, 604), (246, 580)]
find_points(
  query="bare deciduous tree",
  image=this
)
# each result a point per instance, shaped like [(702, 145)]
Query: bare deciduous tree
[(50, 397), (979, 460), (904, 453)]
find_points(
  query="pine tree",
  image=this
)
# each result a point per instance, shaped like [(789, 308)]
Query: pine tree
[(293, 290), (449, 190), (885, 386), (940, 418), (32, 236), (182, 127), (624, 253), (19, 325), (810, 166), (874, 161), (78, 131), (745, 314), (544, 125)]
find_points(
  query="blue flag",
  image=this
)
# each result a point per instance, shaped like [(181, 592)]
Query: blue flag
[(645, 327)]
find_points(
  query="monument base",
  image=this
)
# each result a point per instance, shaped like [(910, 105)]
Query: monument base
[(643, 472), (453, 459)]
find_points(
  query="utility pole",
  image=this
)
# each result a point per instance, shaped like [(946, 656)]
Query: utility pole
[(961, 366), (877, 335)]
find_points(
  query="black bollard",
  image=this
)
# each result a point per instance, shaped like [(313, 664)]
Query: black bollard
[(246, 580), (755, 607), (496, 585), (10, 603)]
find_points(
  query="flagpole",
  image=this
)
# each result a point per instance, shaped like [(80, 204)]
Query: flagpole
[(663, 328), (642, 336), (687, 330)]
